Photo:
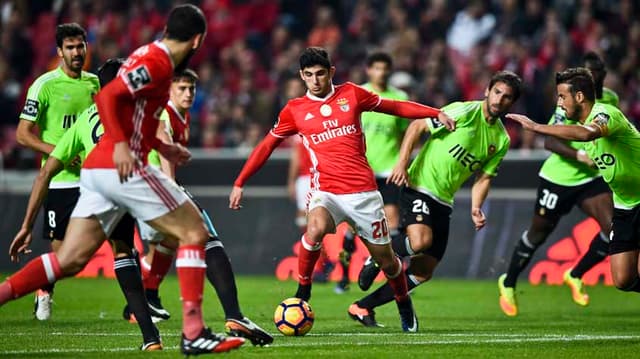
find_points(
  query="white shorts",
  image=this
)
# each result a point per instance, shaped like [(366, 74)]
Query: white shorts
[(364, 211), (303, 186), (147, 195)]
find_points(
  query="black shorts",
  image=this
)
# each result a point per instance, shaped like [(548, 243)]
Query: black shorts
[(58, 206), (124, 230), (625, 234), (419, 208), (390, 192), (554, 201)]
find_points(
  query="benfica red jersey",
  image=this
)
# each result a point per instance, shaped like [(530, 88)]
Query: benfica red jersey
[(331, 131), (179, 124), (147, 74)]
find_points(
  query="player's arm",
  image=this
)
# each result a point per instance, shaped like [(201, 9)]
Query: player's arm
[(414, 110), (582, 133), (294, 166), (26, 137), (563, 149), (399, 174), (22, 240), (258, 157), (479, 192)]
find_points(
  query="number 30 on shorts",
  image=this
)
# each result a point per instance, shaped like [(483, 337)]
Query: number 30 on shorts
[(380, 229), (549, 199)]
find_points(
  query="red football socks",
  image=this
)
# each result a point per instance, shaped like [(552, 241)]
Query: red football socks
[(309, 254), (191, 267)]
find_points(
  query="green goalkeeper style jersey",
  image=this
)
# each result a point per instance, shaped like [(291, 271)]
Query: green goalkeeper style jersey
[(448, 159), (566, 171), (53, 102), (80, 139), (383, 133), (616, 154)]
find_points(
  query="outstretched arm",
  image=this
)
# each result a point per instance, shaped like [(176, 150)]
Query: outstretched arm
[(255, 161), (414, 110), (566, 132), (22, 240), (399, 174)]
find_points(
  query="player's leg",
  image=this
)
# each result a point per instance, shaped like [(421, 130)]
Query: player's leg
[(151, 196), (367, 215), (320, 222), (416, 208), (220, 275), (58, 206), (344, 259), (624, 249), (83, 238), (420, 270), (597, 202), (155, 265), (128, 276)]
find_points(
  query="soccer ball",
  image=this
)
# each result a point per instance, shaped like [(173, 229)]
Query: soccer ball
[(293, 316)]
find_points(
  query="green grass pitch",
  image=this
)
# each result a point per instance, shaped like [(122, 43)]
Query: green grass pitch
[(458, 318)]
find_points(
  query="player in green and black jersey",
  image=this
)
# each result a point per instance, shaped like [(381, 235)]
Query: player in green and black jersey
[(445, 162), (568, 178), (53, 101), (613, 144)]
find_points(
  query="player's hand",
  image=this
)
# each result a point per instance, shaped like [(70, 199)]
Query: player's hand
[(582, 156), (447, 121), (525, 121), (124, 160), (399, 175), (20, 244), (175, 153), (235, 197), (77, 161), (478, 218)]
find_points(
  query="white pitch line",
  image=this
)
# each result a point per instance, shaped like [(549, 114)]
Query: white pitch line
[(410, 339)]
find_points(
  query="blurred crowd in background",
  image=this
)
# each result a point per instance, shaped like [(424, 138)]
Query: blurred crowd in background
[(443, 51)]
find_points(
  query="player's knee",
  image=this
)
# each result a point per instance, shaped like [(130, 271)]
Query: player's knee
[(315, 233), (195, 236), (534, 237), (72, 266), (626, 282)]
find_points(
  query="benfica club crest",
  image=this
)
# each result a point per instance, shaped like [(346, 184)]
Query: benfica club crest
[(344, 104), (492, 149)]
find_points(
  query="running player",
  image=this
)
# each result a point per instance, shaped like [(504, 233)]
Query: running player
[(567, 178), (384, 135), (343, 185), (174, 128), (115, 179), (53, 101), (77, 142), (444, 163), (613, 144)]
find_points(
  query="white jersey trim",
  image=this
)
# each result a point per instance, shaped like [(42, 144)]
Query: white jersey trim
[(64, 185), (586, 180), (321, 99)]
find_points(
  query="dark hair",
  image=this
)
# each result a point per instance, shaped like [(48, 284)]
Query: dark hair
[(312, 56), (184, 22), (71, 29), (594, 63), (579, 79), (511, 79), (188, 75), (109, 70), (379, 57)]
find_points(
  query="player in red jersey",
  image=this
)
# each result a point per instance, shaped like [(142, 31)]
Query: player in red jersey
[(115, 179), (342, 182)]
